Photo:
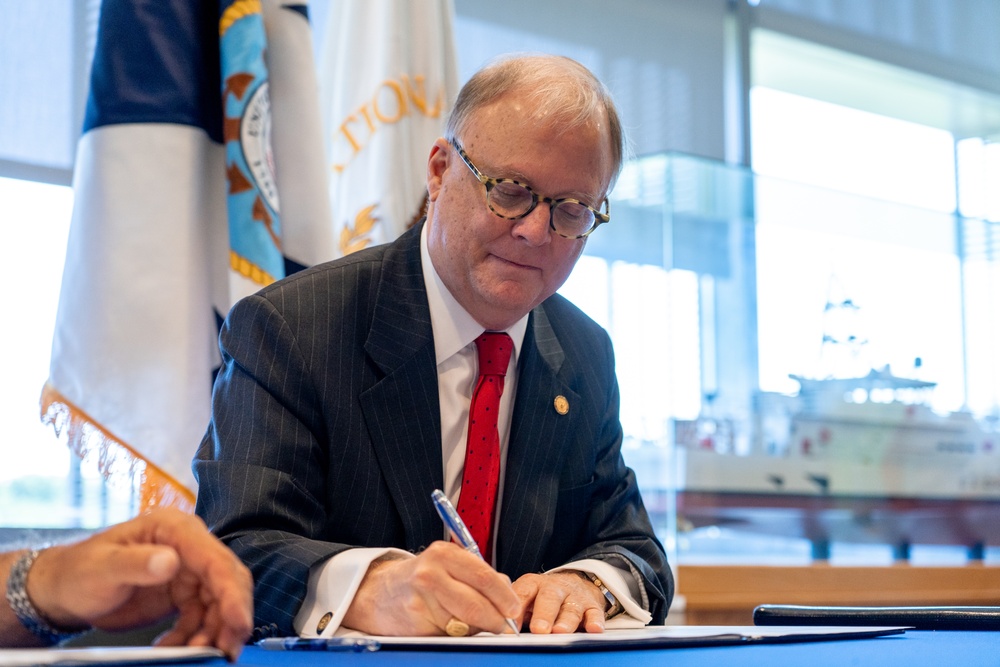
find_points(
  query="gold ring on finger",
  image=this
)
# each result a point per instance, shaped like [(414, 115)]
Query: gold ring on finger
[(456, 628)]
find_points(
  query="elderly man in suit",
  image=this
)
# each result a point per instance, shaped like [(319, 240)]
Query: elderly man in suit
[(344, 398)]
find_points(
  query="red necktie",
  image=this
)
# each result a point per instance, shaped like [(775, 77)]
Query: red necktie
[(478, 498)]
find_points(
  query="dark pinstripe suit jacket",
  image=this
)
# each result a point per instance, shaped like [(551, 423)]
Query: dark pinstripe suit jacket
[(325, 434)]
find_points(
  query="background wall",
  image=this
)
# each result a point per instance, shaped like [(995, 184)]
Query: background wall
[(663, 61)]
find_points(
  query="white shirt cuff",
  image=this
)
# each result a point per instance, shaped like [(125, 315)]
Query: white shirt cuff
[(622, 585), (332, 587)]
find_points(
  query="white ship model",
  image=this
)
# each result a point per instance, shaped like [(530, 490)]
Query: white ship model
[(870, 436), (817, 443)]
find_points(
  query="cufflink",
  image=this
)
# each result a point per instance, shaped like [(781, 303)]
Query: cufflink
[(323, 622)]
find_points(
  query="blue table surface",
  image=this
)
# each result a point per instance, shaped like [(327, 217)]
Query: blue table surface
[(912, 649)]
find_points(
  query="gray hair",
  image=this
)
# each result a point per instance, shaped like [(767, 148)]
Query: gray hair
[(564, 88)]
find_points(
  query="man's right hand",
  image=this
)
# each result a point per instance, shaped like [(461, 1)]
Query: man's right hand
[(418, 596)]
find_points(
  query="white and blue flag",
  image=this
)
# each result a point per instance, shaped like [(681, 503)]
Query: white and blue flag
[(200, 177)]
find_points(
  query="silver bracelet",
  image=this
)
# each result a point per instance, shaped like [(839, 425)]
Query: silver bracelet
[(20, 603)]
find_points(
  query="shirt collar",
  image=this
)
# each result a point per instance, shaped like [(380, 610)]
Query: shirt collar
[(453, 327)]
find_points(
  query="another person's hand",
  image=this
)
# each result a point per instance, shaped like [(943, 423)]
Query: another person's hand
[(561, 602), (418, 596), (143, 570)]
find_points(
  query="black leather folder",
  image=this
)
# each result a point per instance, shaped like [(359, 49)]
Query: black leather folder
[(919, 618)]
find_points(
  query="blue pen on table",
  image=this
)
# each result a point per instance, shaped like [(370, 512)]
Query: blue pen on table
[(356, 644), (460, 532)]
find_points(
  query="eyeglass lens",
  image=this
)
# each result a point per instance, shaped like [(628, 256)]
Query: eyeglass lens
[(512, 200)]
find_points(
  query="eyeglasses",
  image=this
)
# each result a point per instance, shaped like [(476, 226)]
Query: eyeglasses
[(507, 198)]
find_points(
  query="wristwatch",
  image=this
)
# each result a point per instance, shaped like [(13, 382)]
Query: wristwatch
[(614, 606), (20, 603)]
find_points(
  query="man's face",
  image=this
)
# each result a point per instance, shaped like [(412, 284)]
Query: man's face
[(500, 269)]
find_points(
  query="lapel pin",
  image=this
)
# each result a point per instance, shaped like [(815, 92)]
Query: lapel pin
[(561, 404)]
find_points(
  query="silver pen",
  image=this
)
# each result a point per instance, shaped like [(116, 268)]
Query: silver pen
[(460, 532)]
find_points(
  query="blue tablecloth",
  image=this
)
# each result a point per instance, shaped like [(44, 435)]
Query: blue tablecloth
[(912, 649)]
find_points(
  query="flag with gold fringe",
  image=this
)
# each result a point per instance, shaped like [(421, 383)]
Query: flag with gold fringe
[(199, 178), (388, 77)]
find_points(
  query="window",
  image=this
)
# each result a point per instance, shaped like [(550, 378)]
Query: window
[(42, 483), (854, 266), (36, 467), (851, 284)]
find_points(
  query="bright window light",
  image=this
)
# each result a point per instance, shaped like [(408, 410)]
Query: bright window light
[(836, 147)]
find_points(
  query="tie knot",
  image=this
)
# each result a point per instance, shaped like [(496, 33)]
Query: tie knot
[(494, 352)]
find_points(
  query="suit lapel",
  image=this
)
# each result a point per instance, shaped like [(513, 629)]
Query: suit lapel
[(539, 440), (401, 344)]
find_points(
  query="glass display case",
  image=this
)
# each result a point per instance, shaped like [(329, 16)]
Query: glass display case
[(800, 368)]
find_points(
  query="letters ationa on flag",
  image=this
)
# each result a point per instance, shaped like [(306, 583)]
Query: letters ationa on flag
[(388, 78), (199, 179)]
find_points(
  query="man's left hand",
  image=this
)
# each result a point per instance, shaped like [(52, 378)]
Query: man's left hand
[(561, 602)]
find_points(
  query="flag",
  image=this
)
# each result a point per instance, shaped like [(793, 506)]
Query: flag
[(387, 79), (199, 179)]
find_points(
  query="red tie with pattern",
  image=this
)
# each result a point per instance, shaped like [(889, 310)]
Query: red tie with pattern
[(478, 498)]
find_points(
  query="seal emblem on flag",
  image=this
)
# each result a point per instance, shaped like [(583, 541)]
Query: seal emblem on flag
[(252, 195), (255, 140)]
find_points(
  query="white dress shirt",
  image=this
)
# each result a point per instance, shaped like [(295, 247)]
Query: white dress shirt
[(333, 583)]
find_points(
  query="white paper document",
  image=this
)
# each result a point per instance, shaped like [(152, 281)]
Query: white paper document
[(131, 655), (677, 636)]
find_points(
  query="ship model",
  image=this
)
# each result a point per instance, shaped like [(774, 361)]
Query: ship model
[(860, 458)]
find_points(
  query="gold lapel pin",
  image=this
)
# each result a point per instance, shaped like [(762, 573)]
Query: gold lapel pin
[(561, 404)]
